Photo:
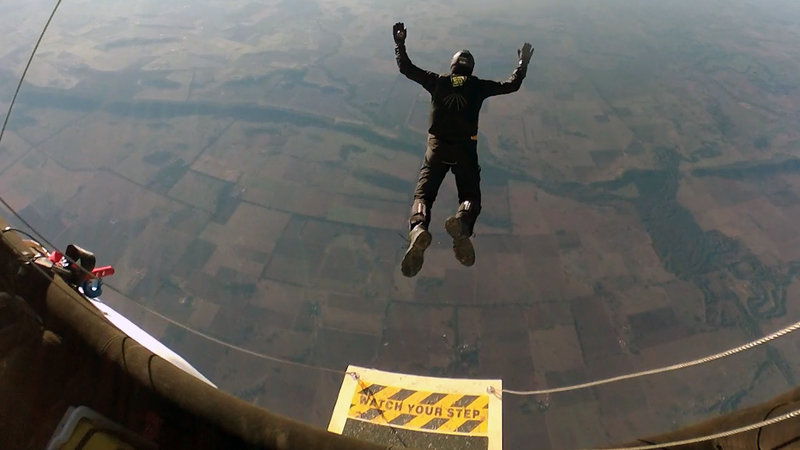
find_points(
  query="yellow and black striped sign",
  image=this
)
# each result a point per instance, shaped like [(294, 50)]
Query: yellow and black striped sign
[(420, 410)]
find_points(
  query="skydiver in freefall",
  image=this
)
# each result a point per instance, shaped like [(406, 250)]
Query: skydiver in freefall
[(456, 100)]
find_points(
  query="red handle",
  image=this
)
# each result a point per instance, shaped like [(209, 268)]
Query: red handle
[(55, 257), (104, 271)]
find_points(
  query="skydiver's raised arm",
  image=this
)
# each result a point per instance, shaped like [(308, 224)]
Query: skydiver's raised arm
[(491, 88), (425, 78)]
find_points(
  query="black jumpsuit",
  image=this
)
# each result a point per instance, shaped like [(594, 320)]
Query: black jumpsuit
[(456, 102)]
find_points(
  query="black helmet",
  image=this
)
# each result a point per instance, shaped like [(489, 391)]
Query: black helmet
[(462, 63)]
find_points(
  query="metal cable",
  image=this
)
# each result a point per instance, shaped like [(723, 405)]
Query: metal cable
[(671, 368), (11, 108), (711, 437)]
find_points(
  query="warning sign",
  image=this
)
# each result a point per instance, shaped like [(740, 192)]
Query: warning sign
[(417, 409), (421, 410)]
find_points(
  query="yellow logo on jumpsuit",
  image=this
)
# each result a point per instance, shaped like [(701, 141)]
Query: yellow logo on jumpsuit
[(455, 98), (421, 411)]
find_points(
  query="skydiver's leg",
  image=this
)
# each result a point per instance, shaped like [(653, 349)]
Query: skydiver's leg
[(431, 175), (468, 182)]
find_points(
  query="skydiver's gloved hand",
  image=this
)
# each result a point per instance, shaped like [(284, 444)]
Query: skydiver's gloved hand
[(525, 54), (399, 33)]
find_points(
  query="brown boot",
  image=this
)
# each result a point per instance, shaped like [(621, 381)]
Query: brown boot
[(462, 245), (419, 239)]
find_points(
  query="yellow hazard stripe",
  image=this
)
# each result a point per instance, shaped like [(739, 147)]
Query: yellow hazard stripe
[(420, 410)]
